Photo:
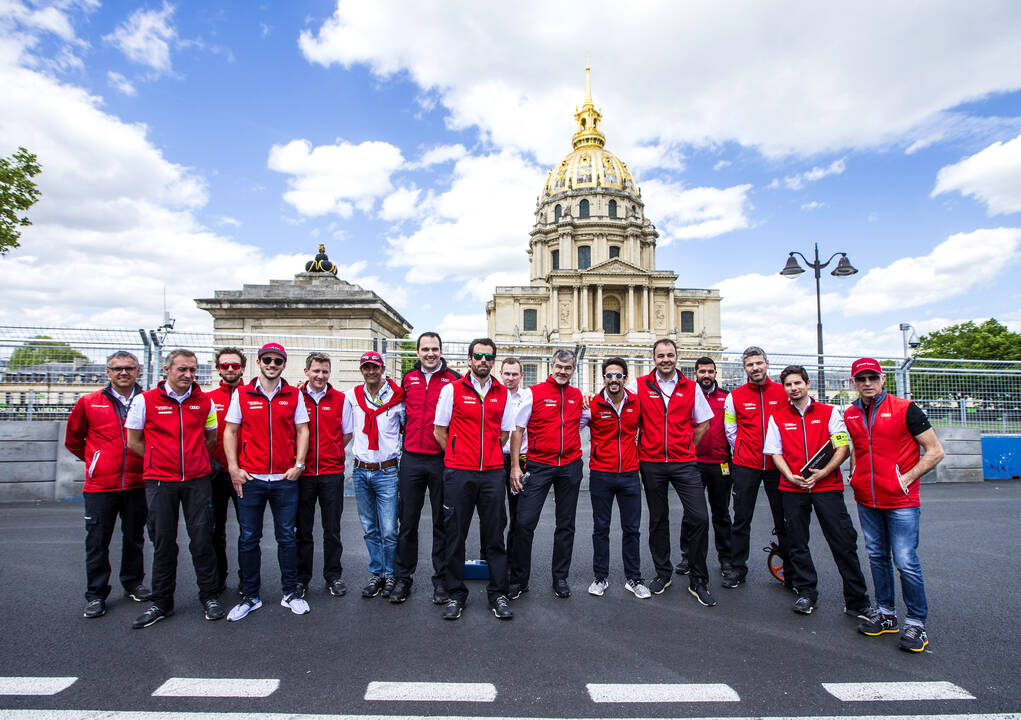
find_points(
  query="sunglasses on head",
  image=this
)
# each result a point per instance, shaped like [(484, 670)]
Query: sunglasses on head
[(272, 361), (872, 377), (230, 366), (484, 356), (614, 376)]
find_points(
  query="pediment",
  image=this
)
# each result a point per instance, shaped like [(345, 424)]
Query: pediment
[(616, 266)]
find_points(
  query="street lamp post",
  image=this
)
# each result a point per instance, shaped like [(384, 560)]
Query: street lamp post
[(844, 268)]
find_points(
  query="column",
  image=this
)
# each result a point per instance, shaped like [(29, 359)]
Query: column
[(644, 322), (630, 307), (574, 313), (651, 310), (599, 308), (584, 308), (671, 311)]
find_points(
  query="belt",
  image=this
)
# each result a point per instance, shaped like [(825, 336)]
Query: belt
[(376, 466), (521, 458)]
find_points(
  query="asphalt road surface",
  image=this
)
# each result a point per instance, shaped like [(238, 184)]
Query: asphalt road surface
[(614, 656)]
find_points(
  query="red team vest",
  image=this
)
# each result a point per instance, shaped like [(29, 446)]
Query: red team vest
[(802, 437), (96, 434), (753, 404), (267, 434), (714, 447), (420, 408), (882, 443), (325, 432), (554, 434), (175, 435), (473, 437), (666, 429), (614, 437)]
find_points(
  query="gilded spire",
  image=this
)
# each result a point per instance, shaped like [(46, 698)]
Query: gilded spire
[(588, 118)]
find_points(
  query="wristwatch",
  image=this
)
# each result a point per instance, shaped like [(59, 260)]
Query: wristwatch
[(300, 466)]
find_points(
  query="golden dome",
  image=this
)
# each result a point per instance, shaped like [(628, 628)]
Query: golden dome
[(590, 165)]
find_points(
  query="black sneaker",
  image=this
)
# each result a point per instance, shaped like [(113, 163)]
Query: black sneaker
[(388, 585), (514, 591), (213, 609), (299, 590), (139, 593), (658, 585), (682, 566), (501, 608), (859, 613), (336, 587), (401, 591), (879, 623), (95, 608), (440, 596), (150, 617), (374, 587), (803, 605), (731, 578), (913, 639), (561, 589), (452, 610), (703, 594)]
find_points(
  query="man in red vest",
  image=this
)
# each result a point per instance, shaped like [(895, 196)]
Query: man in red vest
[(172, 427), (888, 433), (421, 467), (551, 414), (675, 417), (230, 364), (473, 419), (113, 483), (266, 442), (796, 432), (746, 417), (329, 430)]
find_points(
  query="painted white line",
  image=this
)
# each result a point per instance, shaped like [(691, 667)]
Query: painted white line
[(431, 691), (886, 691), (34, 685), (143, 715), (665, 692), (216, 687)]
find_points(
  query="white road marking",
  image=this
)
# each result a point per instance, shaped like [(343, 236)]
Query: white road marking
[(664, 692), (216, 687), (886, 691), (431, 691), (34, 685), (141, 715)]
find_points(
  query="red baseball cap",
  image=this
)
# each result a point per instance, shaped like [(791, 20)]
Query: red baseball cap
[(372, 358), (273, 348), (865, 365)]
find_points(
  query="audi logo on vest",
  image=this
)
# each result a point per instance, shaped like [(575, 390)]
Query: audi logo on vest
[(750, 406)]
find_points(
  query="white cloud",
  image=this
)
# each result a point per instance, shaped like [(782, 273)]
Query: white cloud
[(720, 164), (145, 37), (441, 154), (991, 176), (481, 289), (462, 327), (814, 205), (796, 182), (401, 204), (335, 178), (121, 84), (227, 220), (702, 212), (354, 273)]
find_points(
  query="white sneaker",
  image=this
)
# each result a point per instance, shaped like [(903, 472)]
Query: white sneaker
[(241, 610), (598, 587), (298, 606), (638, 589)]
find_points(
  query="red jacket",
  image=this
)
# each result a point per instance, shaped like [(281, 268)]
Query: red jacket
[(267, 434), (802, 437), (554, 427), (714, 447), (420, 407), (753, 405), (220, 396), (175, 435), (882, 443), (614, 437), (473, 436), (96, 434), (666, 429), (325, 432)]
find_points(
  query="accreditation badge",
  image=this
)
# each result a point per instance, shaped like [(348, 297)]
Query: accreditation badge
[(725, 468)]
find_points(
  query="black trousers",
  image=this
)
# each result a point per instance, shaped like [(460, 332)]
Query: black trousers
[(512, 510), (101, 512), (717, 486), (165, 499), (463, 492), (417, 473), (566, 483), (328, 490), (746, 491), (223, 495), (840, 535), (687, 483)]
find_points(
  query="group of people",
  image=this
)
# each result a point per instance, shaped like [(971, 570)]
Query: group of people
[(487, 446)]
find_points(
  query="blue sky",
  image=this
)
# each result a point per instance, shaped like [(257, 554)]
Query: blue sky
[(199, 146)]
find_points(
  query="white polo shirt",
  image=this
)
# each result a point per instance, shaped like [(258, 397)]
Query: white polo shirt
[(390, 425)]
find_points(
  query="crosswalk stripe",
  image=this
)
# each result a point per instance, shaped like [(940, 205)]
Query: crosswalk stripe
[(887, 691), (216, 687), (662, 692), (34, 685), (152, 715), (431, 691)]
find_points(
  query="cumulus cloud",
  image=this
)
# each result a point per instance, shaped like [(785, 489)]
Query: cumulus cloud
[(145, 37), (462, 327), (796, 182), (121, 84), (441, 154), (686, 213), (401, 204), (991, 176)]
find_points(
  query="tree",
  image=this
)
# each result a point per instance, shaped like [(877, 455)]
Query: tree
[(988, 341), (17, 194), (42, 349)]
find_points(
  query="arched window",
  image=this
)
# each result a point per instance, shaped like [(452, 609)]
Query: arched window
[(530, 321), (613, 208), (558, 212), (687, 321), (614, 249), (611, 315), (555, 255), (583, 208), (584, 257)]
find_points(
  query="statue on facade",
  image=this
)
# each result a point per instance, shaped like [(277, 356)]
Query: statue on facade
[(321, 263)]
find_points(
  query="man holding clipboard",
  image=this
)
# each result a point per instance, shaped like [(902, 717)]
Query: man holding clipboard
[(807, 441)]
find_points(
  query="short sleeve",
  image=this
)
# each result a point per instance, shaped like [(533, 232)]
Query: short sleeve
[(702, 410), (509, 416), (525, 411), (347, 421), (586, 417), (916, 420), (300, 412), (135, 419), (444, 406), (773, 444), (211, 418), (838, 431)]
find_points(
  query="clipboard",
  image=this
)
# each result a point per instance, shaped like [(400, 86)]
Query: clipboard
[(822, 456)]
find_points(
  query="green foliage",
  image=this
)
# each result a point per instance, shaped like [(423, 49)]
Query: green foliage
[(988, 341), (42, 349), (17, 194)]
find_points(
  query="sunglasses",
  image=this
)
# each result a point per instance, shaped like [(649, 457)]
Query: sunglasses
[(484, 356), (866, 378), (230, 366), (116, 370), (278, 361), (614, 376)]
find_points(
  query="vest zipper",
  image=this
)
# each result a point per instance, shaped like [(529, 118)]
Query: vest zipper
[(560, 457), (804, 438), (762, 422), (317, 437), (269, 424), (180, 443), (620, 429)]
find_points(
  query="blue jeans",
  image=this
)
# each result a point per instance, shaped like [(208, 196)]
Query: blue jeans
[(282, 496), (894, 531), (376, 496)]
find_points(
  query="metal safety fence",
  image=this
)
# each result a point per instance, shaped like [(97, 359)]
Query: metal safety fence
[(44, 370)]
